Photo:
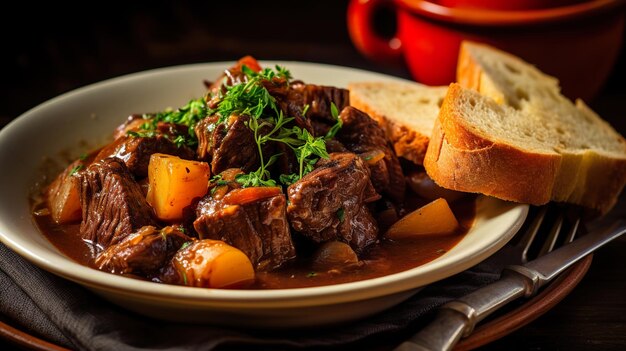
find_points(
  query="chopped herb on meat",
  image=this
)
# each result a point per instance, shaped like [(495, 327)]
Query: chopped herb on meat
[(188, 115)]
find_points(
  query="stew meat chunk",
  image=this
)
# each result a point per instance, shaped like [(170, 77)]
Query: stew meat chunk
[(330, 203), (113, 205), (143, 252), (362, 135), (135, 151), (227, 145), (251, 219), (319, 99)]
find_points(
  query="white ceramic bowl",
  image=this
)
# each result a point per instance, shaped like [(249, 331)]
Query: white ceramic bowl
[(91, 113)]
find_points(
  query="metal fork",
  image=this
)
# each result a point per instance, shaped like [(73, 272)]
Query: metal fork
[(445, 331)]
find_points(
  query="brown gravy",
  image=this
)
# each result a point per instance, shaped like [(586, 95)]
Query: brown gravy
[(380, 259)]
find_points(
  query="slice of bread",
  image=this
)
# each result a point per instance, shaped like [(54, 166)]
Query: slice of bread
[(407, 112), (529, 155), (592, 153)]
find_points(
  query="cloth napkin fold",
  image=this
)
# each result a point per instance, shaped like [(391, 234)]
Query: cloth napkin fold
[(69, 315)]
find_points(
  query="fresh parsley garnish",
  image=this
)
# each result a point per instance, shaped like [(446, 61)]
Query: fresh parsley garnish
[(188, 115), (268, 123), (76, 169), (217, 181), (252, 98), (334, 112), (341, 213), (257, 178), (289, 179), (307, 152)]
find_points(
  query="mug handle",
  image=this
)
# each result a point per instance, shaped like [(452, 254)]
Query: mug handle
[(367, 41)]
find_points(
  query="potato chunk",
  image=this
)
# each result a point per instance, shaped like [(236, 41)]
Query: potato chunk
[(174, 183), (63, 195), (434, 218), (213, 264), (334, 255)]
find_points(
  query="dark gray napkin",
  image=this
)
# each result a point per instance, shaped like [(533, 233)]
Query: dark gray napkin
[(69, 315)]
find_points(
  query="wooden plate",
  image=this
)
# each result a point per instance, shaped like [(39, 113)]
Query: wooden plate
[(485, 333)]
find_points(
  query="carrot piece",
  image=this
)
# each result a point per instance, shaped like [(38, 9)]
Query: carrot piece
[(251, 62), (174, 183), (372, 157), (247, 195), (434, 218)]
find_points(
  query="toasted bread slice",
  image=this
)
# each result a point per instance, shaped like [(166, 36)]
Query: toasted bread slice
[(407, 112), (530, 155)]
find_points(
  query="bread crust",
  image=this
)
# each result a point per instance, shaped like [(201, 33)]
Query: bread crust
[(407, 143)]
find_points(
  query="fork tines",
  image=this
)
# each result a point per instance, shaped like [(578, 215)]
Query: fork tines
[(547, 227)]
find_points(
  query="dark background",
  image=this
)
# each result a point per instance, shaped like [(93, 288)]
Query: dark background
[(52, 48)]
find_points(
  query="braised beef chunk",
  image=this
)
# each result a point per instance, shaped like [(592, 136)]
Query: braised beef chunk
[(132, 123), (334, 145), (286, 163), (227, 145), (135, 151), (112, 203), (207, 138), (330, 203), (251, 219), (319, 99), (317, 119), (293, 98), (143, 252), (290, 101), (320, 127), (362, 135)]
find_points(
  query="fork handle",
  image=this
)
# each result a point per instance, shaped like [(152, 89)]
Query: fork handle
[(458, 318)]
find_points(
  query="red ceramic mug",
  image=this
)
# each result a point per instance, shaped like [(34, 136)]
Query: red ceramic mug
[(577, 43)]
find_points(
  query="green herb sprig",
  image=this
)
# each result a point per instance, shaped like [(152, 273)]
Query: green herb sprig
[(189, 115), (253, 99), (334, 112)]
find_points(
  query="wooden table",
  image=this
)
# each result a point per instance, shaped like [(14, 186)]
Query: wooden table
[(49, 50)]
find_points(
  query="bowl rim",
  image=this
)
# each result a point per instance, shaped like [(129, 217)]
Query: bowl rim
[(506, 18)]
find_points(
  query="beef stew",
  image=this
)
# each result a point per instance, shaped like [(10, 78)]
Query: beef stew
[(302, 189)]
